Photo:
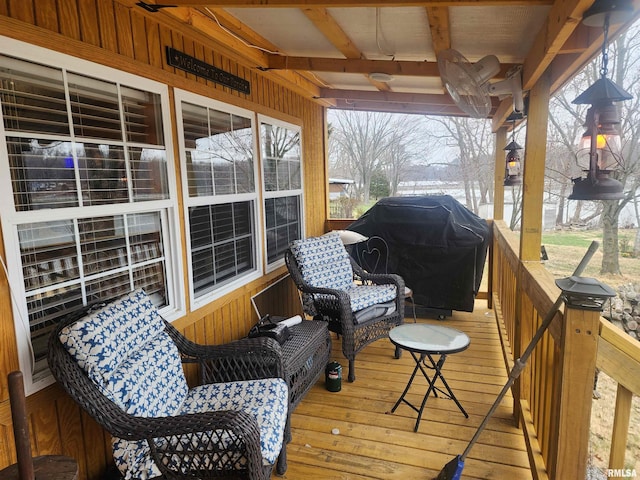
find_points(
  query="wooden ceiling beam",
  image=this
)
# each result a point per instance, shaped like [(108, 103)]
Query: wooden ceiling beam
[(346, 3), (583, 46), (563, 18), (327, 25), (439, 27), (561, 32), (341, 65), (332, 31), (396, 107), (400, 97), (205, 26)]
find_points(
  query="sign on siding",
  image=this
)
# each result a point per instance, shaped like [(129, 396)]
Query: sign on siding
[(202, 69)]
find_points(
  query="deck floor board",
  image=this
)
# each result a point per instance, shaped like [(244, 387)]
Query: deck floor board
[(375, 444)]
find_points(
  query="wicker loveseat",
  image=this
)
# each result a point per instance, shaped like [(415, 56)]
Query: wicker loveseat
[(122, 364), (361, 307)]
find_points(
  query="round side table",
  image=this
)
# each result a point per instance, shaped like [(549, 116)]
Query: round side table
[(423, 341)]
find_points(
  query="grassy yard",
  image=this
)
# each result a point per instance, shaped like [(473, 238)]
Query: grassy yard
[(565, 249)]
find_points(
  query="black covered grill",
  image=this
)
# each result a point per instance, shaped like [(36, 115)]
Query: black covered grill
[(435, 243)]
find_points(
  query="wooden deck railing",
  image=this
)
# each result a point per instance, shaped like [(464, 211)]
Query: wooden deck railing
[(523, 294)]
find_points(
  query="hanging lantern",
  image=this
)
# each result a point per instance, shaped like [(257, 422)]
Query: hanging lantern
[(603, 117), (513, 165)]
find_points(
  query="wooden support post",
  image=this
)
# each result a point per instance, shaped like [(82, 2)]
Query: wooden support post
[(498, 190), (534, 163), (578, 350), (532, 199)]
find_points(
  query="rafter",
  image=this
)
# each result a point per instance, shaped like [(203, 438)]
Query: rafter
[(327, 25), (400, 97), (235, 48), (562, 21), (348, 3), (324, 22), (582, 46), (341, 65), (397, 107), (439, 27)]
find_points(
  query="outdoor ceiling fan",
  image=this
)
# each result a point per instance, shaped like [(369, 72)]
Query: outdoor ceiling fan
[(468, 83)]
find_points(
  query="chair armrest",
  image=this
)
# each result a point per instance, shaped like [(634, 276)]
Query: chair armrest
[(244, 359), (147, 428), (377, 278)]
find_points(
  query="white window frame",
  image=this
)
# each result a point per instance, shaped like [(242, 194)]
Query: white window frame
[(10, 220), (250, 275), (269, 267)]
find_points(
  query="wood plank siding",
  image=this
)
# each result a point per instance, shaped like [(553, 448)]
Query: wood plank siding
[(120, 35)]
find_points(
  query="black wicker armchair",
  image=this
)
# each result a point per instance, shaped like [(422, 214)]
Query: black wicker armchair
[(361, 307), (236, 440)]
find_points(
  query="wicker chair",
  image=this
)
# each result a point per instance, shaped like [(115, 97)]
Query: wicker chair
[(361, 307), (133, 385), (372, 255)]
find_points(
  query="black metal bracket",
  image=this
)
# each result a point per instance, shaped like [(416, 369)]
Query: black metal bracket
[(153, 8)]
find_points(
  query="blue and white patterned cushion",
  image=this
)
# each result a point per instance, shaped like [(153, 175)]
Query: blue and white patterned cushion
[(101, 340), (317, 256), (363, 296), (266, 400), (150, 382)]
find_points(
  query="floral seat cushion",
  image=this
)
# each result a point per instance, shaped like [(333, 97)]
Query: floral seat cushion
[(265, 399), (125, 350)]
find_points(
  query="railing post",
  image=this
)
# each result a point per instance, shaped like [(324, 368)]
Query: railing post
[(578, 350)]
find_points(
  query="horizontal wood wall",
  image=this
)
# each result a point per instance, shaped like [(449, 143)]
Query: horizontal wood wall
[(120, 35)]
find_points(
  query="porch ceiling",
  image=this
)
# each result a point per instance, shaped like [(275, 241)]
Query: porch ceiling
[(328, 48)]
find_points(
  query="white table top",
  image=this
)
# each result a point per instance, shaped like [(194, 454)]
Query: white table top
[(427, 338)]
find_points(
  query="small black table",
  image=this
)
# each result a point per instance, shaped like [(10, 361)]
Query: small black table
[(423, 341)]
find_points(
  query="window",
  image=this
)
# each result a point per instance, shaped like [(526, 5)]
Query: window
[(217, 145), (282, 178), (86, 190)]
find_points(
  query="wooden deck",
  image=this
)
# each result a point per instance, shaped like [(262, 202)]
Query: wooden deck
[(374, 444)]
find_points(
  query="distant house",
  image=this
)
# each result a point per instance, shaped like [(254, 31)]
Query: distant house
[(339, 188)]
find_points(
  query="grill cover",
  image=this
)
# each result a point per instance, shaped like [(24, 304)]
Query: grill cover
[(435, 243)]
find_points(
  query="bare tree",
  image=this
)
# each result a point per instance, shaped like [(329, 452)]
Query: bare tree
[(474, 142), (365, 142), (361, 139), (516, 212), (566, 124), (403, 149)]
